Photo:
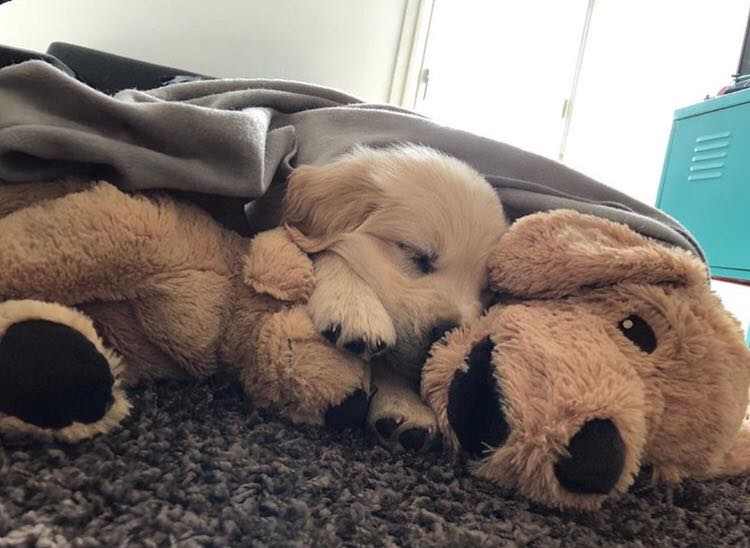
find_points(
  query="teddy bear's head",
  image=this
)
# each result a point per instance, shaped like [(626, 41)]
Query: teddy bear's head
[(606, 352)]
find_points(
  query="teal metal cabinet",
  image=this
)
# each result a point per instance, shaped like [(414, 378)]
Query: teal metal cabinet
[(706, 180)]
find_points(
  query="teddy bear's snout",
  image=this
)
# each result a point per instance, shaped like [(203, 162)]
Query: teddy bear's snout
[(596, 461), (475, 410)]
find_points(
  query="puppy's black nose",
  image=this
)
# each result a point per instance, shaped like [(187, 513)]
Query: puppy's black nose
[(441, 329), (597, 457)]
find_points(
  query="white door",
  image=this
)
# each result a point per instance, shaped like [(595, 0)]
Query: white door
[(643, 60), (503, 69)]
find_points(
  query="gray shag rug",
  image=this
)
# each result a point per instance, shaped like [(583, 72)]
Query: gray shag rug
[(196, 466)]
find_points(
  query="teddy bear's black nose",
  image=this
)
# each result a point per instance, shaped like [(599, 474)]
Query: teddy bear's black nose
[(597, 457)]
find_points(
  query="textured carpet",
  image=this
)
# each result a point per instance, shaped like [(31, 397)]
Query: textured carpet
[(195, 466)]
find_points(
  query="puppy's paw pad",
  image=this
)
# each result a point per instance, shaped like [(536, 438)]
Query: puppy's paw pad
[(350, 413), (387, 426), (365, 349), (332, 333), (358, 345), (413, 439), (401, 435)]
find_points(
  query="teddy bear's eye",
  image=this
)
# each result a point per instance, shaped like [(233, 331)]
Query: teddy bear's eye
[(639, 332)]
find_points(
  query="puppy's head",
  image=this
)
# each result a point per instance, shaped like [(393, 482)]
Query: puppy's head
[(416, 225)]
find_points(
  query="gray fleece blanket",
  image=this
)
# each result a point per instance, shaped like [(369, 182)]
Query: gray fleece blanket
[(237, 138)]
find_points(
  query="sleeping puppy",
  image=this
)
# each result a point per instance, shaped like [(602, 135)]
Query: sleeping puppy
[(400, 238)]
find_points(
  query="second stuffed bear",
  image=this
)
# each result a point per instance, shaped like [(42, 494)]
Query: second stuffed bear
[(173, 294)]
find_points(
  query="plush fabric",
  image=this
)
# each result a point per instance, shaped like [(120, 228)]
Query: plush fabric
[(608, 352), (235, 138), (166, 288)]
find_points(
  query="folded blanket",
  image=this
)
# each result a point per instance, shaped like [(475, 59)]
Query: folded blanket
[(237, 138)]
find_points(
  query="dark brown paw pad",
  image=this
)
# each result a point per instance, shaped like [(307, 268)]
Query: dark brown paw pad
[(51, 375), (350, 413), (413, 439), (359, 346), (387, 426), (332, 333), (395, 433)]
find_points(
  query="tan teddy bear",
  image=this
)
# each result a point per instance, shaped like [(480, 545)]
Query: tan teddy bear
[(606, 352), (173, 294)]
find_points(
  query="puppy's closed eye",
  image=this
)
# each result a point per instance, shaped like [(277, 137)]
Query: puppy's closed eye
[(423, 261)]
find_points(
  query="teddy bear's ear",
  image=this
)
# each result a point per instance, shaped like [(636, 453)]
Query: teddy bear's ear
[(553, 254), (276, 266)]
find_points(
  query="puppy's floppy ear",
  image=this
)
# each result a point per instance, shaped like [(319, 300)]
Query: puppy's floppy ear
[(324, 202), (553, 254)]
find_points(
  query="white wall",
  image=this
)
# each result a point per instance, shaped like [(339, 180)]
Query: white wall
[(347, 44)]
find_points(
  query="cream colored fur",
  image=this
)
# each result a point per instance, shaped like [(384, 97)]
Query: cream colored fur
[(366, 216), (180, 297), (343, 298)]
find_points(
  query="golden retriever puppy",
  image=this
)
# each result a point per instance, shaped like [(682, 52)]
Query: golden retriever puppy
[(400, 238)]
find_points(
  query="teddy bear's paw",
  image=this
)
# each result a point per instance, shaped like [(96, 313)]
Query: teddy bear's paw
[(321, 386), (352, 318), (304, 377), (55, 383), (350, 413), (401, 421)]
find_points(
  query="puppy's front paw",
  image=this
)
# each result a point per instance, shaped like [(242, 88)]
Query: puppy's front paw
[(352, 318)]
